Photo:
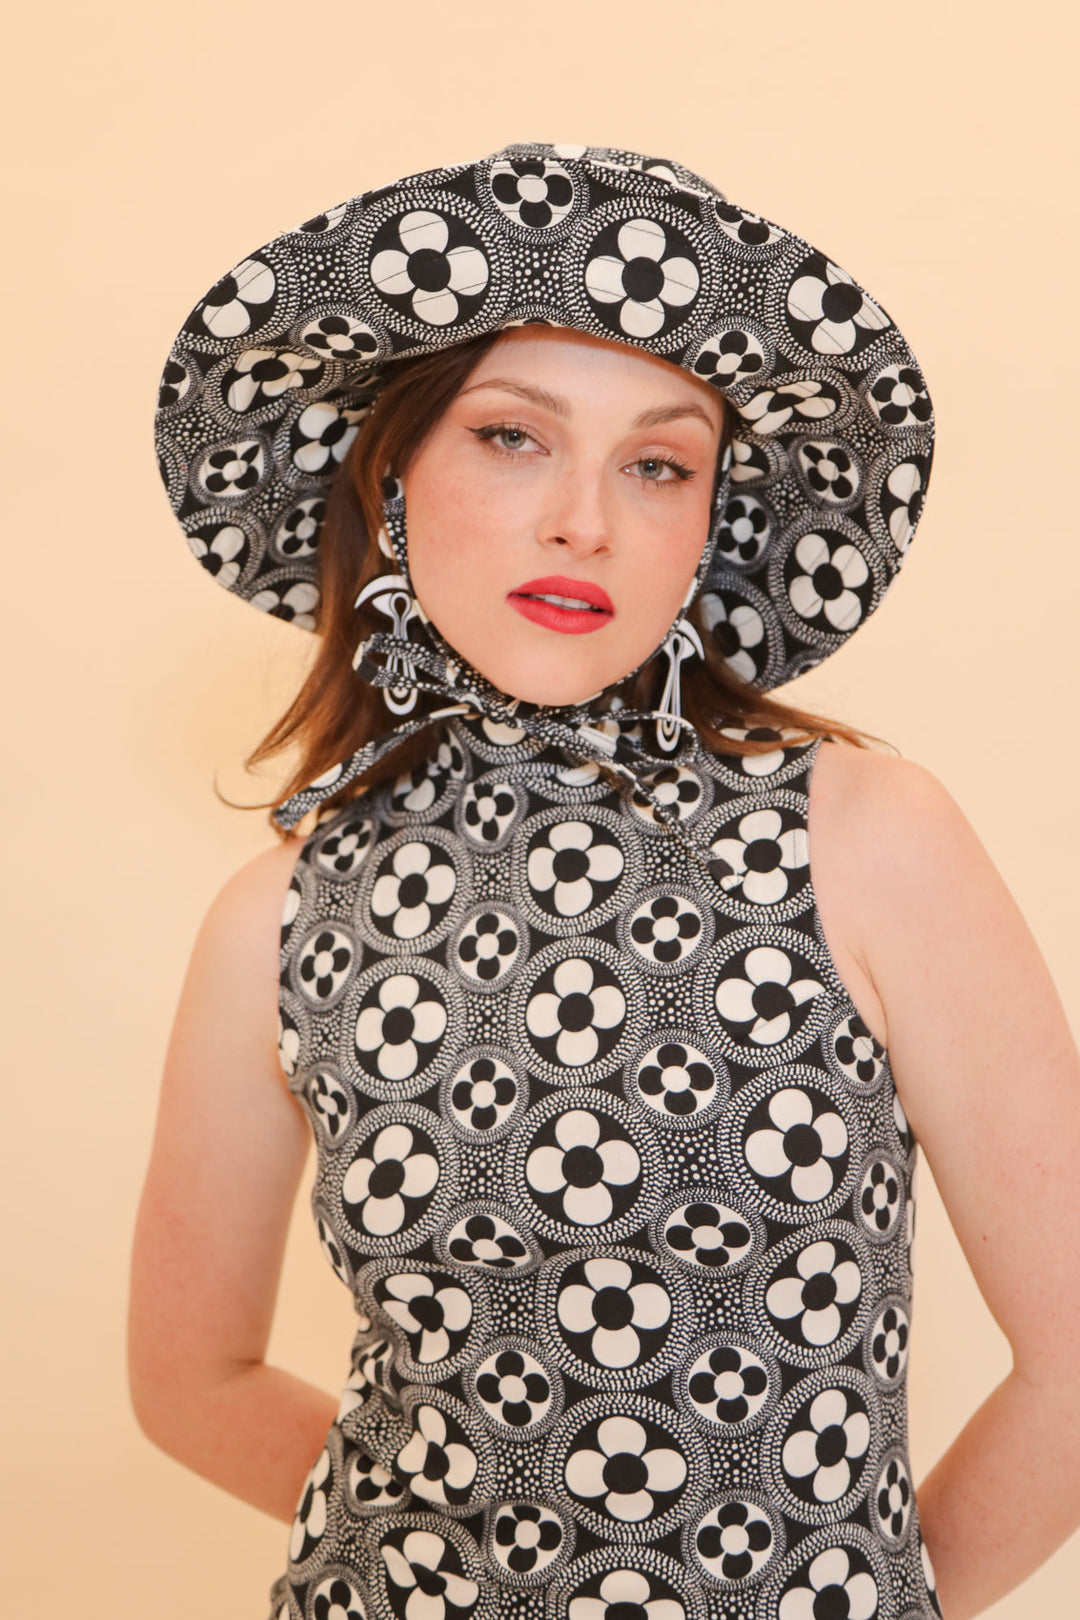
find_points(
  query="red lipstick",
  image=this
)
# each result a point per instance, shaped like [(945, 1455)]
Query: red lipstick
[(571, 606)]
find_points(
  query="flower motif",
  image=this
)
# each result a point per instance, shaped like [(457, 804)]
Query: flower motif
[(835, 1585), (676, 1079), (175, 384), (342, 850), (762, 1004), (735, 1540), (625, 1594), (374, 1363), (525, 1537), (708, 1234), (534, 192), (579, 1173), (750, 230), (807, 400), (729, 358), (857, 1052), (728, 1384), (643, 279), (486, 1240), (432, 1310), (487, 810), (814, 1300), (414, 889), (514, 1388), (737, 629), (893, 1498), (340, 337), (310, 1520), (626, 1473), (239, 301), (427, 274), (297, 533), (488, 948), (329, 1103), (390, 1171), (321, 436), (440, 1468), (403, 1021), (750, 462), (369, 1483), (754, 862), (324, 963), (336, 1599), (677, 789), (879, 1197), (331, 1248), (744, 531), (576, 864), (763, 764), (829, 470), (575, 1011), (258, 376), (899, 398), (666, 930), (428, 1568), (799, 1140), (295, 604), (826, 1446), (840, 317), (233, 469), (483, 1093), (901, 500), (888, 1340), (414, 792), (222, 549), (288, 1043), (623, 1322)]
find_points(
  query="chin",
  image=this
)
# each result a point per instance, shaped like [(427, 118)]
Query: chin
[(554, 690)]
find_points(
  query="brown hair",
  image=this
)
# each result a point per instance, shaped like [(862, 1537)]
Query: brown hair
[(335, 712)]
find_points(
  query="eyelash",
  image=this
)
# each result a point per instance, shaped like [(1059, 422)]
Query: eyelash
[(683, 473)]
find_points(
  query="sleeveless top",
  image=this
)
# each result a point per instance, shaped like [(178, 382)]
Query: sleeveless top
[(622, 1188)]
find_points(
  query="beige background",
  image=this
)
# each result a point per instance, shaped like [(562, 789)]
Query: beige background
[(928, 147)]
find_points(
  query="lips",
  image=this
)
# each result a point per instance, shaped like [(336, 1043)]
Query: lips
[(570, 606)]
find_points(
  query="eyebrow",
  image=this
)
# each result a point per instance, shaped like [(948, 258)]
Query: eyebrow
[(558, 406)]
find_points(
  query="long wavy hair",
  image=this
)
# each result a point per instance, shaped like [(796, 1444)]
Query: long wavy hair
[(335, 712)]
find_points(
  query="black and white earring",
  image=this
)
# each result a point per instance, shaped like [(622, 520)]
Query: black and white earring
[(390, 595), (682, 644)]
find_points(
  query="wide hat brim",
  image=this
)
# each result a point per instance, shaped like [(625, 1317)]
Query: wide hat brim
[(276, 367)]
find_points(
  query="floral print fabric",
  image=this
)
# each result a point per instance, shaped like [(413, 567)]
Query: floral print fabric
[(277, 366), (616, 1174)]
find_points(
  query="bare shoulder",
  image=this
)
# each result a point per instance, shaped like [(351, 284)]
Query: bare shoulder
[(247, 908), (888, 847)]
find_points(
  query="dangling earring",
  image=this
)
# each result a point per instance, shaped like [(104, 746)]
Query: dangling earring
[(390, 595), (683, 642)]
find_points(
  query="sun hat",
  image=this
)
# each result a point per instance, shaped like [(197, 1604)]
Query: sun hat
[(275, 368)]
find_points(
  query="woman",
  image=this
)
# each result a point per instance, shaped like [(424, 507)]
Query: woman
[(616, 1112)]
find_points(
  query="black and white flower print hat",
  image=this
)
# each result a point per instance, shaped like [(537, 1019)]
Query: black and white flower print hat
[(276, 367)]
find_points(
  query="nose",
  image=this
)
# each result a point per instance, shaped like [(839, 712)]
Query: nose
[(578, 517)]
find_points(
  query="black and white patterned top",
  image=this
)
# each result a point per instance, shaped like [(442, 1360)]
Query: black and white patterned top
[(622, 1187)]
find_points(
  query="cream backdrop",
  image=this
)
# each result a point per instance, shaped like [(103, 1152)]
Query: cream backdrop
[(929, 147)]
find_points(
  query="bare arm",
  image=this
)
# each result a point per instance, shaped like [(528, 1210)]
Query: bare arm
[(989, 1077), (227, 1158)]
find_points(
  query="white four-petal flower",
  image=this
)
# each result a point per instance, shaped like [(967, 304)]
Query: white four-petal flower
[(395, 1169), (797, 1135), (393, 1039), (824, 1283), (395, 271), (659, 1468), (674, 280), (837, 1432), (768, 979), (846, 564), (593, 1165), (574, 1011), (581, 1310), (570, 863), (760, 856)]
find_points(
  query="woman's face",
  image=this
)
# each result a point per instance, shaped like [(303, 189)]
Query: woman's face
[(558, 510)]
